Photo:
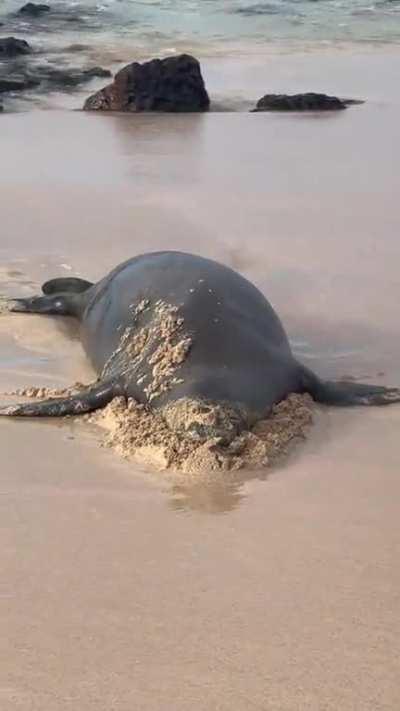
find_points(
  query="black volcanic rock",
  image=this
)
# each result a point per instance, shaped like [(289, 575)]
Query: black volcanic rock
[(11, 47), (20, 77), (33, 9), (300, 102), (16, 84), (174, 84), (56, 78)]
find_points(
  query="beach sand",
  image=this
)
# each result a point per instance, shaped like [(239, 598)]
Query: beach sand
[(122, 589)]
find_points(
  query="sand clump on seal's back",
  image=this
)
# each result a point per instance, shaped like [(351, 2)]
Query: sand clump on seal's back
[(145, 436), (153, 351)]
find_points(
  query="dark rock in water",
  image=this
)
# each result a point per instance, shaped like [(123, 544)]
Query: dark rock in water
[(11, 47), (300, 102), (258, 9), (174, 84), (67, 78), (16, 84), (97, 72), (77, 48), (33, 9), (1, 108), (20, 77)]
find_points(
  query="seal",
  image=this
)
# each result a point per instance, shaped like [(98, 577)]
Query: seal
[(167, 326)]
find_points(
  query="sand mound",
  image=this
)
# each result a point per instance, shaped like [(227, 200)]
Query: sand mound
[(135, 432)]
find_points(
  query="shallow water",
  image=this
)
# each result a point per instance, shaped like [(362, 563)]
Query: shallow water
[(114, 32), (212, 24)]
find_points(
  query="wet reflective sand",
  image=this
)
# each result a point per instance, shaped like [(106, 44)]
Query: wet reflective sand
[(121, 590)]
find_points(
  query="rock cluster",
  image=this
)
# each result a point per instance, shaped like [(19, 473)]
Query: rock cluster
[(173, 84)]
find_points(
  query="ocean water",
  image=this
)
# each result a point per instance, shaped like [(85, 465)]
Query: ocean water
[(80, 34), (206, 27)]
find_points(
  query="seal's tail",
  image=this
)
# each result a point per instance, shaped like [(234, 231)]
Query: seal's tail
[(92, 398), (346, 394)]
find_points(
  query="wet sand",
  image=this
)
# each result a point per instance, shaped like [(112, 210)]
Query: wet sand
[(120, 590)]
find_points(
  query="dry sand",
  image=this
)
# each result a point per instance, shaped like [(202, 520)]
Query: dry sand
[(121, 590)]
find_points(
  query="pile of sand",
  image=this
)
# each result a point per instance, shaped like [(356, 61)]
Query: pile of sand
[(136, 432)]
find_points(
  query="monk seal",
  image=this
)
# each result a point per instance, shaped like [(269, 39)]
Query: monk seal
[(169, 325)]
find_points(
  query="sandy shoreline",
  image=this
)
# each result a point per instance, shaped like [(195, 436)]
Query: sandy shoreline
[(118, 590)]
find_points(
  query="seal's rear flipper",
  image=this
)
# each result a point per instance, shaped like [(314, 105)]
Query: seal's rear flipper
[(344, 393), (65, 285), (92, 398)]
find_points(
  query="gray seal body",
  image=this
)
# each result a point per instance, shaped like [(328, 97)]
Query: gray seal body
[(236, 351)]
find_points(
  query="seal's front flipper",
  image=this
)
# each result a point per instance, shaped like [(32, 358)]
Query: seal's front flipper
[(65, 285), (59, 305), (344, 393), (93, 398)]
